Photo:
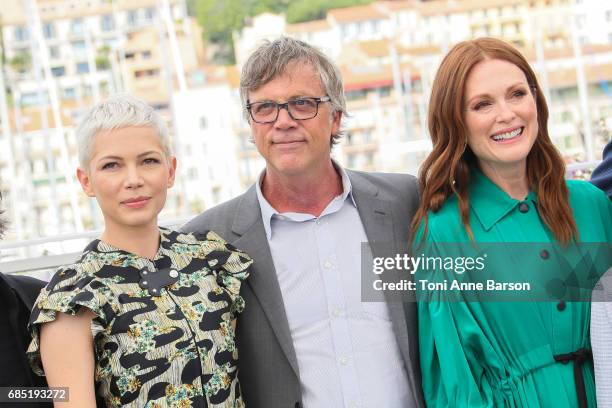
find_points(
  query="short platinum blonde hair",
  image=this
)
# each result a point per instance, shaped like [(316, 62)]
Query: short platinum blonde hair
[(271, 59), (119, 111)]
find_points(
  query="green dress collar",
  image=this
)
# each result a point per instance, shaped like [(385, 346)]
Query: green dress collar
[(489, 202)]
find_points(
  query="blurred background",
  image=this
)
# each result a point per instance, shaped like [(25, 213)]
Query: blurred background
[(184, 57)]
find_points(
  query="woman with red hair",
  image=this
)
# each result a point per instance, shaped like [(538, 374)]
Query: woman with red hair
[(494, 176)]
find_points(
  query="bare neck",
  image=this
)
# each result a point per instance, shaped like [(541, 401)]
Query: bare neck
[(142, 240), (303, 193), (512, 180)]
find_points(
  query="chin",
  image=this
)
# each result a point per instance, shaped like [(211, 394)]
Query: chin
[(290, 165)]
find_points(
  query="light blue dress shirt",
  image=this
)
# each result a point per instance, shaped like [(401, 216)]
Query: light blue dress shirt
[(601, 340), (346, 350)]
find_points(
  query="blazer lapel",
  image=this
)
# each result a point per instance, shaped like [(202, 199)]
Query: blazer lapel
[(263, 280), (378, 221)]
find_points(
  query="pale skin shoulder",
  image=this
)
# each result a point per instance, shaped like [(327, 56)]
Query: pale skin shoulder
[(66, 349)]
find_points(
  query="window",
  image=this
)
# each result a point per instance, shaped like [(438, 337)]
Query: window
[(82, 67), (132, 17), (68, 93), (146, 73), (107, 23), (146, 54), (369, 158), (54, 52), (149, 14), (78, 48), (77, 27), (49, 30), (21, 33), (29, 99), (58, 71)]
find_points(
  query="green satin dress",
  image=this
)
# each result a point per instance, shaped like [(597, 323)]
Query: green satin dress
[(501, 354)]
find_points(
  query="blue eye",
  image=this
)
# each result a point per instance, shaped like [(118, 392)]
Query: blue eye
[(151, 160), (110, 165)]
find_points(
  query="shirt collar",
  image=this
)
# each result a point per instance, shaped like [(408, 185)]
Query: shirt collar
[(489, 202), (267, 211)]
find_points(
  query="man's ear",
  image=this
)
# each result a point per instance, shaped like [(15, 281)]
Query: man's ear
[(336, 119), (171, 171), (85, 181)]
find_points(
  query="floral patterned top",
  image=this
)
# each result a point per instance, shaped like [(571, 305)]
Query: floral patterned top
[(162, 333)]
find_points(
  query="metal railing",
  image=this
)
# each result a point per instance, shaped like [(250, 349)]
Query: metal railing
[(39, 265)]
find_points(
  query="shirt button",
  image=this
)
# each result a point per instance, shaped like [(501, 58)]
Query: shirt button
[(523, 207), (173, 273), (327, 264), (343, 360), (337, 312), (561, 306), (318, 221), (353, 404), (544, 254)]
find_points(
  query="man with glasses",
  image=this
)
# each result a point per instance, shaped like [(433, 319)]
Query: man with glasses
[(305, 337)]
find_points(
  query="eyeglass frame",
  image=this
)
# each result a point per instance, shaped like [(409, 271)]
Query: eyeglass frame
[(285, 106)]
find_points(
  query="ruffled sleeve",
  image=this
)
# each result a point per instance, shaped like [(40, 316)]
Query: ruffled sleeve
[(231, 266), (69, 290)]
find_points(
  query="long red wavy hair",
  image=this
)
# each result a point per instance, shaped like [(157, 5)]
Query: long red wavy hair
[(446, 170)]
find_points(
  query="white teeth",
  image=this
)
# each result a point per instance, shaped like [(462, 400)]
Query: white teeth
[(508, 135)]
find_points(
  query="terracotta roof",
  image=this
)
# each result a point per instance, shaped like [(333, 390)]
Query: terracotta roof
[(567, 77), (375, 48), (221, 74), (457, 6), (567, 52), (367, 78), (380, 48), (31, 119), (357, 13), (316, 25), (399, 5)]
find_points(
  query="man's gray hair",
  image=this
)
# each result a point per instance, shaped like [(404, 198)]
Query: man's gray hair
[(119, 111), (271, 60)]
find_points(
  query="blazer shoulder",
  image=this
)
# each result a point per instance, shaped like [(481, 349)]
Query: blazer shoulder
[(394, 183)]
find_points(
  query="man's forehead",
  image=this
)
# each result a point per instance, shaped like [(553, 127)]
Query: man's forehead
[(301, 78)]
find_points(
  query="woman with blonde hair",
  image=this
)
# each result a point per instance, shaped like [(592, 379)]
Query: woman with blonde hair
[(146, 317), (494, 176)]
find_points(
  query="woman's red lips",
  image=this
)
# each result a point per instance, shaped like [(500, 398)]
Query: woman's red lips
[(136, 202)]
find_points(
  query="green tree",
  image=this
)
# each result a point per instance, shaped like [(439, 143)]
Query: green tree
[(21, 62), (307, 10), (102, 58), (220, 18)]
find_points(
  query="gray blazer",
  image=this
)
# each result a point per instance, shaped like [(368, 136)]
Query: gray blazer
[(269, 373)]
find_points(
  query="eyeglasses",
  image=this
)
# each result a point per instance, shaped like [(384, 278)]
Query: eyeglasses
[(298, 109)]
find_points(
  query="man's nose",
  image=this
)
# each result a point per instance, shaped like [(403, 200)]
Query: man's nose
[(284, 119)]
